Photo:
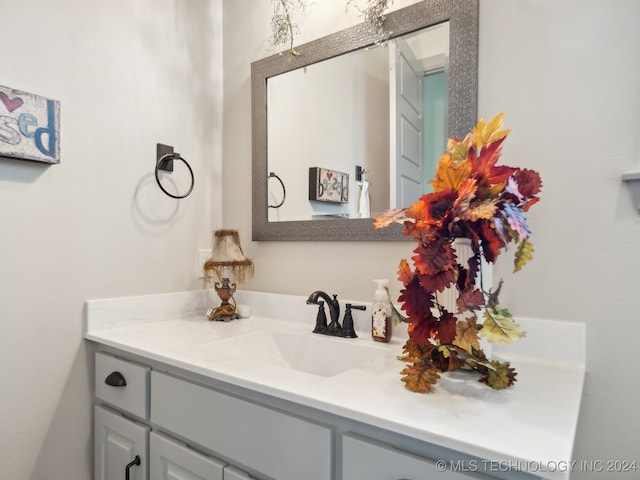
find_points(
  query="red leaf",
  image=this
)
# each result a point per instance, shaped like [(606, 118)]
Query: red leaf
[(421, 329), (470, 299), (483, 165), (439, 281), (470, 271), (416, 301), (445, 328), (530, 202), (490, 241), (434, 257), (529, 182), (432, 208)]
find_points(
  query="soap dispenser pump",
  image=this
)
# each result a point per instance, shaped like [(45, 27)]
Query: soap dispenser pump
[(381, 318)]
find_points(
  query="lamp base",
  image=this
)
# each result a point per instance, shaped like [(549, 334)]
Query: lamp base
[(226, 311), (223, 313)]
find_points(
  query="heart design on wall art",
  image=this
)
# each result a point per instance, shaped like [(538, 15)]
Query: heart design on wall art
[(11, 103)]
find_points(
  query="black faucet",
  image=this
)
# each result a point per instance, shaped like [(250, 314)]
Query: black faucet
[(334, 328), (334, 311)]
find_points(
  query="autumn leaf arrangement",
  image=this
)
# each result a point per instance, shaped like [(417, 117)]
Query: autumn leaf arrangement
[(476, 199)]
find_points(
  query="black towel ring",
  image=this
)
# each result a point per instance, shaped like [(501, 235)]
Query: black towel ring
[(284, 190), (167, 158)]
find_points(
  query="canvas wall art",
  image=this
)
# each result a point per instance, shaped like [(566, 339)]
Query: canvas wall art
[(328, 185), (29, 126)]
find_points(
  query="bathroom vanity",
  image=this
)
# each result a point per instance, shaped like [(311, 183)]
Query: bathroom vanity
[(179, 397)]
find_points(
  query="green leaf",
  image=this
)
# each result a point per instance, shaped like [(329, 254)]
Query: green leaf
[(524, 253), (396, 316), (499, 326), (500, 376)]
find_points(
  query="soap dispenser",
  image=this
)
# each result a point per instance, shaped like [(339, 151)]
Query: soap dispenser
[(381, 317)]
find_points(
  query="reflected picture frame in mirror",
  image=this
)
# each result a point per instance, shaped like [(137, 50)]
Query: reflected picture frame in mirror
[(462, 16)]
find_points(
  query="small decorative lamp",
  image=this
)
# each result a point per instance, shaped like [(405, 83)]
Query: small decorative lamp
[(227, 259)]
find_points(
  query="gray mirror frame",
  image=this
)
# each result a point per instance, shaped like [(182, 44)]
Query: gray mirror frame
[(462, 97)]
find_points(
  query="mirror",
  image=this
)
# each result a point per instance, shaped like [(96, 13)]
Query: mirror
[(274, 96), (350, 105)]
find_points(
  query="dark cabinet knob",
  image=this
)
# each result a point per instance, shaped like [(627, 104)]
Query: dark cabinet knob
[(115, 379)]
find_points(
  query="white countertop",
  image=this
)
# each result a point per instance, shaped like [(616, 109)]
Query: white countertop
[(530, 426)]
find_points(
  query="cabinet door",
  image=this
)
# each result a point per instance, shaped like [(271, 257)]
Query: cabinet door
[(170, 460), (363, 459), (119, 443), (232, 473)]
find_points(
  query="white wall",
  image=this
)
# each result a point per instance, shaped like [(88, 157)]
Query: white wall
[(341, 96), (568, 76), (128, 74)]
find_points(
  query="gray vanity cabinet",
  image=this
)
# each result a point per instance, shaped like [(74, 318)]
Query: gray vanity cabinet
[(126, 444), (187, 427)]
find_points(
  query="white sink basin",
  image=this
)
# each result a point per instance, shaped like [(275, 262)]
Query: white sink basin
[(311, 353)]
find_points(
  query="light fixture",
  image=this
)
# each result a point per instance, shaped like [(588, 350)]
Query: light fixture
[(228, 265)]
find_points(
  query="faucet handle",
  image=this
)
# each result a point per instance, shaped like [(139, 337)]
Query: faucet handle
[(321, 319), (347, 324)]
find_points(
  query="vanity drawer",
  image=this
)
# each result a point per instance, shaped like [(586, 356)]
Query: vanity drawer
[(366, 459), (252, 436), (123, 384)]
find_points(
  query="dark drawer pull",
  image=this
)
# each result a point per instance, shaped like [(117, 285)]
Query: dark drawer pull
[(135, 461), (116, 379)]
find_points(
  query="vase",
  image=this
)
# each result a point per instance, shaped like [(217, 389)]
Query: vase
[(448, 298)]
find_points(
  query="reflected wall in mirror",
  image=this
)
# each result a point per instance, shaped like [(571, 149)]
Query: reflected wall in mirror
[(335, 106), (349, 103)]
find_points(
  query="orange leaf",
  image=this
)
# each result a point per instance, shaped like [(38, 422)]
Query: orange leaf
[(413, 352), (419, 377), (405, 274), (390, 216)]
